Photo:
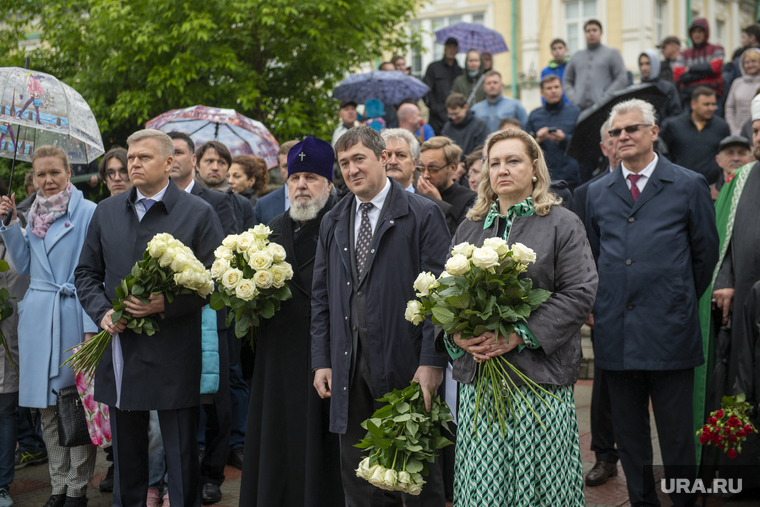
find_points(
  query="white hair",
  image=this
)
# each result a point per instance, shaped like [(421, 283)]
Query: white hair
[(165, 143), (645, 108), (605, 128), (403, 135)]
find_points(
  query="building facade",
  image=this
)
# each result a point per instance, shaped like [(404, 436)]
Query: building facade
[(629, 25)]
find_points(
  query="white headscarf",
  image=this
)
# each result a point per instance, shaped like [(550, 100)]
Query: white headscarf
[(755, 108)]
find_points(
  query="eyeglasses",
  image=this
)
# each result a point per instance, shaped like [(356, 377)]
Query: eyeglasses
[(630, 129), (431, 170), (111, 174)]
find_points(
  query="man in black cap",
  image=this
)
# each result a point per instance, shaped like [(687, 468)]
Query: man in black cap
[(671, 49), (283, 400), (733, 152), (347, 115), (440, 78)]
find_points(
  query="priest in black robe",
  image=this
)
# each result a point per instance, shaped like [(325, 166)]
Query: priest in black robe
[(291, 458)]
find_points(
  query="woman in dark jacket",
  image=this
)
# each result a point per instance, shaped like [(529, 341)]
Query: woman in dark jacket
[(528, 465), (248, 176)]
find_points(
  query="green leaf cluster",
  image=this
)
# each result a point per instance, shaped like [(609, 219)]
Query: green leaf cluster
[(403, 435), (276, 61), (6, 310)]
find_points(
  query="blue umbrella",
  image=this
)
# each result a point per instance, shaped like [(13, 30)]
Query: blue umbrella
[(388, 86), (473, 36)]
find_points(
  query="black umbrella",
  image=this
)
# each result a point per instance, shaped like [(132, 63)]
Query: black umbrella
[(584, 146)]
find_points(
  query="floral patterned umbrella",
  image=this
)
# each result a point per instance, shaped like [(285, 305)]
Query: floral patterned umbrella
[(241, 135), (37, 109)]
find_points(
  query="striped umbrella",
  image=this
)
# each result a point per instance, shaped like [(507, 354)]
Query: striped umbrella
[(473, 36)]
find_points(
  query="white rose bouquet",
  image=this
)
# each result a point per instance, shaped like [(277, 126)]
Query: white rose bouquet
[(252, 275), (402, 438), (480, 291), (168, 267)]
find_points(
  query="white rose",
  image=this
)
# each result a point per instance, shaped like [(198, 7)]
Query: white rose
[(222, 252), (412, 313), (182, 278), (424, 283), (485, 258), (167, 257), (414, 489), (277, 251), (523, 254), (231, 278), (246, 290), (230, 241), (156, 248), (244, 241), (261, 231), (260, 260), (378, 476), (179, 262), (498, 244), (391, 479), (363, 469), (279, 275), (263, 279), (444, 275), (458, 265), (463, 249), (288, 268), (260, 244)]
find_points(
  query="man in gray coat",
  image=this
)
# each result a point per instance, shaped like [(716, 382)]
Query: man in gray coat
[(594, 72)]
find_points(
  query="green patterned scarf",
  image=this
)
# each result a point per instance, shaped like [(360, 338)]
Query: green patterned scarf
[(521, 209)]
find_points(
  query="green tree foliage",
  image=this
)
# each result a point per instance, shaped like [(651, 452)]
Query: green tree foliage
[(276, 61)]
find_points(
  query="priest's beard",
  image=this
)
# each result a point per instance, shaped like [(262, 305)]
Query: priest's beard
[(303, 211)]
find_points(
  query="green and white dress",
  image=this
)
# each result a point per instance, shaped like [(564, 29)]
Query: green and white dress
[(528, 466)]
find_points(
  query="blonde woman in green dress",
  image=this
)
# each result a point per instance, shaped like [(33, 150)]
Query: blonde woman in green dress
[(527, 466)]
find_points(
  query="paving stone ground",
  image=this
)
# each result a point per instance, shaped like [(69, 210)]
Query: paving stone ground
[(32, 485)]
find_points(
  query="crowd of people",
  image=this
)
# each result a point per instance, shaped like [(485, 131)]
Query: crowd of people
[(656, 250)]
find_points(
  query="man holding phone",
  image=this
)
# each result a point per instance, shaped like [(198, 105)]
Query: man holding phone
[(552, 125)]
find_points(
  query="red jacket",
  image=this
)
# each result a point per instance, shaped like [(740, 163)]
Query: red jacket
[(704, 62)]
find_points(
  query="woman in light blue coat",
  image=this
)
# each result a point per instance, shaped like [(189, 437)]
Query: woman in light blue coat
[(51, 320)]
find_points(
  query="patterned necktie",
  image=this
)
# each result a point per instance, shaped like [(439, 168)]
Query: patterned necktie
[(365, 237), (635, 192)]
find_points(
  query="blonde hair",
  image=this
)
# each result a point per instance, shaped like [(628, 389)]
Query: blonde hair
[(543, 199), (451, 152), (51, 151), (165, 143), (750, 53)]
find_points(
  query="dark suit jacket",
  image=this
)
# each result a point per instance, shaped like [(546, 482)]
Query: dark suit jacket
[(655, 258), (579, 195), (461, 199), (411, 237), (448, 211), (161, 372), (270, 205), (222, 205)]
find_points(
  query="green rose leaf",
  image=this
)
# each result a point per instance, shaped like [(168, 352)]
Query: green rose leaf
[(461, 301), (402, 418), (443, 315), (413, 466), (217, 301), (538, 296)]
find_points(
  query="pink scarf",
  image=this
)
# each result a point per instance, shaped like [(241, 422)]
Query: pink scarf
[(46, 210)]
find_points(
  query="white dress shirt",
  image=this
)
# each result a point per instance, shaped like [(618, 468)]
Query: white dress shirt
[(374, 213), (411, 189), (190, 186), (645, 174)]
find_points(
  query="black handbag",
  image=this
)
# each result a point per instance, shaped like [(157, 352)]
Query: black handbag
[(72, 422)]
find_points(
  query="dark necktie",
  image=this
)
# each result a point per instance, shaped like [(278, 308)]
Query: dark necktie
[(365, 237), (635, 192)]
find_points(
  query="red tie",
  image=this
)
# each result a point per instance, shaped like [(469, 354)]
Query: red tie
[(635, 192)]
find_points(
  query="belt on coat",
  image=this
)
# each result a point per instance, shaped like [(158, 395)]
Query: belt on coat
[(65, 290)]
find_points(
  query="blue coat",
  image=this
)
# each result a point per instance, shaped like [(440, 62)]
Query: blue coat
[(655, 259), (561, 116), (411, 236), (270, 205), (51, 320)]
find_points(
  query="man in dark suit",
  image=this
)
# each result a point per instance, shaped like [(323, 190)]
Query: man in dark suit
[(218, 409), (439, 157), (651, 226), (139, 373), (361, 346), (276, 202), (403, 154), (602, 434)]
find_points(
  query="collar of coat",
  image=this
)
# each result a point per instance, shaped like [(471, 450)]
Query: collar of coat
[(663, 173), (170, 197), (397, 207)]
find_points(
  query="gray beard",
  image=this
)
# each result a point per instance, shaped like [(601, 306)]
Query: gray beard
[(303, 212)]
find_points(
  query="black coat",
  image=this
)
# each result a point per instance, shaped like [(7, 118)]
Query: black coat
[(695, 149), (448, 211), (283, 400), (222, 204), (579, 195), (440, 78), (244, 213), (163, 371), (461, 200), (468, 134)]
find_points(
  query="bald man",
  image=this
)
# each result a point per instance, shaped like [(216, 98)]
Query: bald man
[(409, 118)]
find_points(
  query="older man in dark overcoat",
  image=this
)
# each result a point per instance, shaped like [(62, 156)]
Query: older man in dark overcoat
[(651, 226), (372, 245), (139, 373)]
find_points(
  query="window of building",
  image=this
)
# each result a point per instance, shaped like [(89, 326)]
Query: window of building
[(660, 22), (577, 12)]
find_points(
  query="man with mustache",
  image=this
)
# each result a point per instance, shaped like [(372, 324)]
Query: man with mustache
[(733, 152)]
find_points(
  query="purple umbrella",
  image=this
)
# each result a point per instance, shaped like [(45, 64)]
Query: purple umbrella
[(473, 36), (390, 87)]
